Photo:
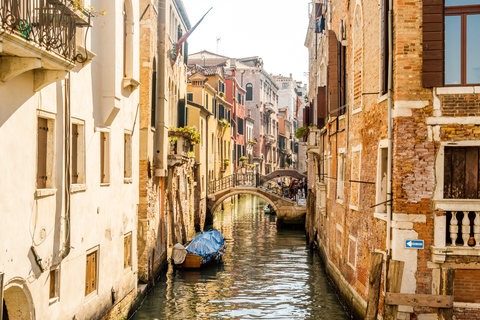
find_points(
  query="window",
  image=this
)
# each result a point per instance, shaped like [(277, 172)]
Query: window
[(382, 167), (91, 273), (355, 176), (284, 85), (384, 50), (127, 155), (450, 43), (78, 153), (206, 101), (154, 97), (249, 95), (461, 173), (104, 157), (54, 285), (45, 153), (201, 133), (240, 125), (462, 30), (189, 96), (127, 251), (127, 39), (340, 175)]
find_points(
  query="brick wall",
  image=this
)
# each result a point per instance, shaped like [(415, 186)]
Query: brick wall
[(456, 105), (467, 285)]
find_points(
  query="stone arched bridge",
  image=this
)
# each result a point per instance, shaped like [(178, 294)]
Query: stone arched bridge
[(288, 211), (282, 173)]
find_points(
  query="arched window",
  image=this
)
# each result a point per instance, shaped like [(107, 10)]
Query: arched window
[(249, 95)]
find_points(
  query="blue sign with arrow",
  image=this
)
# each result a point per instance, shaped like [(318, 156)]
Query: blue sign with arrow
[(414, 244)]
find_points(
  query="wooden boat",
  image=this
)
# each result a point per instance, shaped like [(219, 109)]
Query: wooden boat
[(208, 247), (197, 261)]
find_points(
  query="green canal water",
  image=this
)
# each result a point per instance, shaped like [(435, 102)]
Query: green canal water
[(266, 273)]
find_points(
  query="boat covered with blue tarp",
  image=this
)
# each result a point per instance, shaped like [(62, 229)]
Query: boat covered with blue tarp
[(205, 248)]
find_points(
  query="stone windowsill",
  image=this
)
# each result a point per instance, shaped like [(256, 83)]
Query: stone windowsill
[(127, 180), (358, 110), (340, 201), (75, 188), (382, 98), (455, 251), (40, 193), (352, 207), (458, 90), (106, 184), (380, 216), (52, 301)]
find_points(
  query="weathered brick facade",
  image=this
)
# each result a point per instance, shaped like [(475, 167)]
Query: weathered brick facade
[(350, 159)]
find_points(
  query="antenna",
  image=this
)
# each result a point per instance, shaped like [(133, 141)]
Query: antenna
[(219, 39)]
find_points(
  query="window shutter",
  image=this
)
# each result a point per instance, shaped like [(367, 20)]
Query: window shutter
[(433, 43), (332, 73), (321, 105), (185, 56), (311, 115), (181, 113)]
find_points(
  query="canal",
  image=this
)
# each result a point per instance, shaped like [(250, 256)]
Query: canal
[(266, 273)]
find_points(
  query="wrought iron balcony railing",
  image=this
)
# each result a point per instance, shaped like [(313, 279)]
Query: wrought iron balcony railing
[(49, 24)]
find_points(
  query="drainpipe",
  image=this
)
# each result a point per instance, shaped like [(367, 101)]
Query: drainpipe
[(161, 132), (66, 245), (390, 148)]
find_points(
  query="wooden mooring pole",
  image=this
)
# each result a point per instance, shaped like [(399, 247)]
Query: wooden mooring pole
[(446, 288), (374, 281), (393, 285)]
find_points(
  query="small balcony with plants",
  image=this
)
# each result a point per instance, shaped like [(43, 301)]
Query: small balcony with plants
[(40, 35), (181, 142)]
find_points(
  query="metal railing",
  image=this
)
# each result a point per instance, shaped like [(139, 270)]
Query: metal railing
[(50, 24), (249, 179)]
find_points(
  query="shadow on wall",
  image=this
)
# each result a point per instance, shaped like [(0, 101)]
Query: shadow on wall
[(15, 93)]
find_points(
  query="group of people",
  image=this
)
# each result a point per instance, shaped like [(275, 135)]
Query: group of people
[(291, 188)]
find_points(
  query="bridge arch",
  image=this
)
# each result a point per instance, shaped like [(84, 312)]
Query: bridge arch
[(251, 191), (282, 173)]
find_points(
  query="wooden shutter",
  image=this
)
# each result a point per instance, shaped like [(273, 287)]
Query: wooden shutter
[(102, 156), (52, 284), (461, 173), (181, 113), (332, 73), (321, 102), (42, 153), (433, 43), (154, 99), (75, 153)]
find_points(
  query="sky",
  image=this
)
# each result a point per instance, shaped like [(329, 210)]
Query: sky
[(274, 30)]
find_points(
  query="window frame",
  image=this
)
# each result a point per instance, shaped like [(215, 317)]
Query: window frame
[(90, 252), (128, 157), (127, 265), (463, 12), (78, 153), (49, 187)]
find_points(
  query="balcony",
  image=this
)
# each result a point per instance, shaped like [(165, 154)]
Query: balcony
[(40, 35), (269, 139), (457, 233), (313, 143), (269, 107)]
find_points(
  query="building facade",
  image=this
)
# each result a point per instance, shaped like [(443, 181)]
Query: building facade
[(71, 191), (394, 153)]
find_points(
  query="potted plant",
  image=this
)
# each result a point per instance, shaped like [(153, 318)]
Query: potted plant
[(301, 132), (226, 162), (252, 142)]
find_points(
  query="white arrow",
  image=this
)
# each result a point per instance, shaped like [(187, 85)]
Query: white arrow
[(409, 243)]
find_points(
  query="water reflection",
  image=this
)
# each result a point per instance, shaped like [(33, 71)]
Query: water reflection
[(265, 274)]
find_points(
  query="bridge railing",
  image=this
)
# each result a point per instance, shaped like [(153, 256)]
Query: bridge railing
[(249, 179)]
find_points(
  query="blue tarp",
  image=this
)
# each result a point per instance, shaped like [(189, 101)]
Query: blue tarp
[(206, 243)]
